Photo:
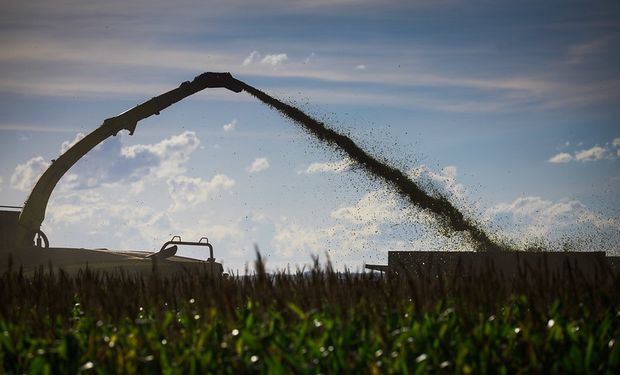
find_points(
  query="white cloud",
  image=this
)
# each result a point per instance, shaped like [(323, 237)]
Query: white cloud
[(290, 239), (379, 221), (165, 158), (309, 58), (275, 59), (1, 183), (216, 232), (68, 144), (349, 245), (533, 220), (382, 211), (385, 207), (109, 162), (592, 154), (133, 194), (109, 217), (376, 207), (259, 164), (252, 57), (360, 67), (230, 126), (562, 157), (439, 183), (25, 175), (102, 220), (334, 167), (191, 191), (449, 172)]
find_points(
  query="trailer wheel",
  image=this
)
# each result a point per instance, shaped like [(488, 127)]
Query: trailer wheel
[(41, 240)]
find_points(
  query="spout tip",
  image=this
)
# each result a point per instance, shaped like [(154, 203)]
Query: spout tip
[(225, 80)]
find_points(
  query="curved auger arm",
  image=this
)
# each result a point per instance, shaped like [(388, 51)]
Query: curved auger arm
[(33, 212)]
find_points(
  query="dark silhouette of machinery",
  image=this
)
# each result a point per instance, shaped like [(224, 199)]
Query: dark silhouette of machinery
[(33, 212), (21, 230)]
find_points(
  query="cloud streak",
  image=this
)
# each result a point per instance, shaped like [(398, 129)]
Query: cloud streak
[(329, 167), (121, 59), (580, 52), (275, 59), (272, 60), (36, 128), (561, 158), (231, 126)]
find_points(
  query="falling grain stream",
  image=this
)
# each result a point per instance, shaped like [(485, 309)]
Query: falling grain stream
[(33, 212), (446, 212)]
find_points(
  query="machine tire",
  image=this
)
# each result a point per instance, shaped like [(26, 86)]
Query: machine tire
[(46, 242)]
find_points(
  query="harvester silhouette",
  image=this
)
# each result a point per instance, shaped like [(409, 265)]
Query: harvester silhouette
[(22, 237)]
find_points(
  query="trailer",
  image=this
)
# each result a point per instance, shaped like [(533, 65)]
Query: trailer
[(506, 264)]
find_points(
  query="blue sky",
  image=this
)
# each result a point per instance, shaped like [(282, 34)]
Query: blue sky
[(509, 108)]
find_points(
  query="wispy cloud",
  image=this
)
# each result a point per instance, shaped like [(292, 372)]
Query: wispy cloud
[(101, 60), (578, 53), (310, 57), (562, 157), (272, 60), (592, 154), (123, 41), (275, 59), (113, 53), (333, 167), (231, 126), (36, 128), (88, 87), (373, 208), (165, 158), (253, 56), (68, 144), (258, 165)]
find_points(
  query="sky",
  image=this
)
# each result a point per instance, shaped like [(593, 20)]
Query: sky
[(509, 109)]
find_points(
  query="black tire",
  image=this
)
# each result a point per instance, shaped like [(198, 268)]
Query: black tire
[(46, 242)]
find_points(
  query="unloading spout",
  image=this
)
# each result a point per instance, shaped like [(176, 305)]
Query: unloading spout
[(224, 80), (33, 212)]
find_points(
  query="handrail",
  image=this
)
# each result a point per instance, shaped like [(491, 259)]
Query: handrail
[(190, 243)]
